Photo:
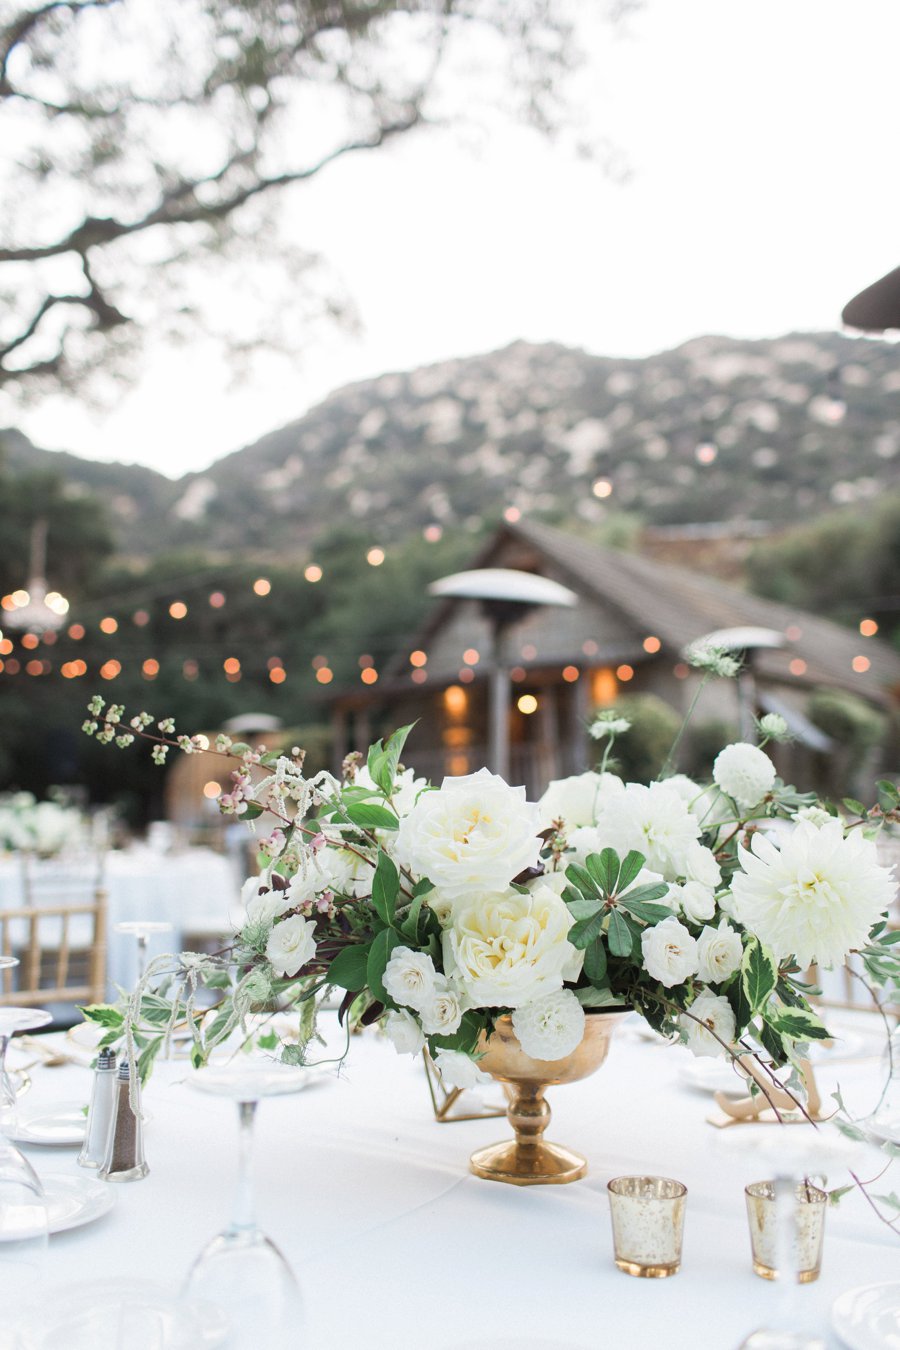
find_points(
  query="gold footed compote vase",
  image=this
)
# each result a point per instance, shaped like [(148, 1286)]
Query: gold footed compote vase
[(529, 1160)]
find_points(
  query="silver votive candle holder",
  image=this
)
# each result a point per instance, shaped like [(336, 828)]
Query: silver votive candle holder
[(648, 1225), (807, 1229)]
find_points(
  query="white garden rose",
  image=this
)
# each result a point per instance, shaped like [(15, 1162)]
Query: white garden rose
[(719, 952), (744, 772), (669, 951), (458, 1071), (504, 949), (409, 977), (291, 945), (575, 800), (404, 1032), (442, 1014), (696, 902), (814, 898), (473, 833), (550, 1027), (710, 1017), (653, 820)]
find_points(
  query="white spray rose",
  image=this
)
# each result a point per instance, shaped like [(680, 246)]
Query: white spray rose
[(473, 833), (502, 950), (458, 1071), (442, 1014), (291, 945), (697, 903), (409, 977), (404, 1033), (719, 952), (669, 951), (575, 800), (550, 1027), (744, 772), (711, 1016)]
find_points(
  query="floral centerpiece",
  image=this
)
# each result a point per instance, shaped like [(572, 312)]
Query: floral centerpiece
[(439, 910), (44, 829)]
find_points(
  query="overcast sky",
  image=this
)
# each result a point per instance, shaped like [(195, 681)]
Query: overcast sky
[(762, 141)]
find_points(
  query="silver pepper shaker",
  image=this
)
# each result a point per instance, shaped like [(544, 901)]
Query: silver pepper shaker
[(101, 1113), (124, 1159)]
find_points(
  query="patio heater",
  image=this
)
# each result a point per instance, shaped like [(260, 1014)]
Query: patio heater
[(742, 643), (506, 596), (877, 308)]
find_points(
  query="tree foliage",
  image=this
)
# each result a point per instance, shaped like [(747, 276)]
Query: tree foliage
[(148, 137)]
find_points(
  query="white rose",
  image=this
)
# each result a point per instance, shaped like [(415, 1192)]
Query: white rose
[(409, 977), (440, 904), (744, 772), (697, 903), (291, 945), (442, 1014), (550, 1027), (669, 951), (710, 1013), (575, 799), (474, 832), (719, 952), (261, 903), (503, 950), (458, 1071), (404, 1033), (700, 865)]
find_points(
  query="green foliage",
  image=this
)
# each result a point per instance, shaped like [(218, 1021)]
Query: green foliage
[(641, 752), (847, 719)]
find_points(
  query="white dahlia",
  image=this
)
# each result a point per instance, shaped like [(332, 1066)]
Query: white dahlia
[(550, 1027), (744, 772), (815, 897), (655, 821), (575, 800)]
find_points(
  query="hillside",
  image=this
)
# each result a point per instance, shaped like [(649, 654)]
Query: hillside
[(776, 430)]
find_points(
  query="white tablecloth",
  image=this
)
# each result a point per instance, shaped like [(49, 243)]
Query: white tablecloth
[(195, 890), (398, 1246)]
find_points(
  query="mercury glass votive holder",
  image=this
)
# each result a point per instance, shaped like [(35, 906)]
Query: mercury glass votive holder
[(807, 1230), (648, 1224)]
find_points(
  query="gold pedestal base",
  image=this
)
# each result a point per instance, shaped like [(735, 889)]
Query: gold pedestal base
[(540, 1164), (648, 1272)]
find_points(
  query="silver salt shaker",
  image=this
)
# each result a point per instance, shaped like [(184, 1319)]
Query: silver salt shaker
[(124, 1159), (101, 1112)]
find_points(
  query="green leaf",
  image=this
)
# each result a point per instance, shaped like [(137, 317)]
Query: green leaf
[(619, 935), (410, 925), (252, 812), (759, 975), (598, 998), (422, 887), (853, 806), (103, 1014), (217, 979), (630, 868), (604, 869), (595, 962), (641, 893), (585, 909), (583, 933), (801, 1025), (582, 880), (385, 887), (268, 1041), (349, 969), (371, 817), (648, 913), (379, 955), (382, 760), (772, 1043), (572, 896), (740, 1006), (889, 789)]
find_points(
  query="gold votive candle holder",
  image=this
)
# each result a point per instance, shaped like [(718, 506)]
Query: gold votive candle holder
[(807, 1229), (648, 1223)]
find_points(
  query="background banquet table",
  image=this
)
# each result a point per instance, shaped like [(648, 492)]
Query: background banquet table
[(398, 1246)]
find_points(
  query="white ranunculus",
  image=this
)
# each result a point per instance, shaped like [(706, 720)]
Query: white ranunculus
[(744, 772), (814, 898), (473, 833), (504, 949), (710, 1013), (575, 800), (404, 1032), (700, 865), (550, 1027), (440, 904), (696, 902), (291, 945), (261, 903), (719, 952), (669, 951), (442, 1014), (409, 977), (458, 1070), (653, 820)]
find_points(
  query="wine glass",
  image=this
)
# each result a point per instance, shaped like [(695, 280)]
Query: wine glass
[(884, 1122), (23, 1229), (11, 1021), (241, 1271), (142, 930)]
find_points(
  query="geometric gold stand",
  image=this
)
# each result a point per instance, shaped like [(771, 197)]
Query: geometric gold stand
[(772, 1106), (453, 1104)]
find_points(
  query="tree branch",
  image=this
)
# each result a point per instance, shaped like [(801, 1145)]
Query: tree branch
[(28, 20)]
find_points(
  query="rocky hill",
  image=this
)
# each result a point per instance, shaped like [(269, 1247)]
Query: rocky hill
[(776, 430)]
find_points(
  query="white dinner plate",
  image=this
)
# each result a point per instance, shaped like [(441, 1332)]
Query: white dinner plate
[(106, 1315), (714, 1075), (61, 1126), (868, 1317), (73, 1201)]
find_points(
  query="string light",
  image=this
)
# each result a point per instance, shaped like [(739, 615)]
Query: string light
[(30, 641), (793, 632), (471, 656), (37, 668), (868, 627), (418, 658), (319, 662), (76, 632), (369, 675), (527, 704), (706, 453), (178, 609), (570, 674), (6, 647), (278, 674), (262, 585), (375, 557), (433, 533), (365, 660), (231, 665), (624, 673), (211, 790), (12, 667), (217, 599), (467, 675), (150, 669), (529, 651), (109, 624), (651, 644), (324, 675), (860, 664), (517, 674), (419, 676), (110, 670), (48, 638), (274, 662), (190, 669), (681, 671), (601, 487), (313, 573), (590, 647), (512, 514), (797, 666)]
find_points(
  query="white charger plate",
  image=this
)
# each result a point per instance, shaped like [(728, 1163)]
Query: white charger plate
[(73, 1201), (61, 1126), (868, 1317)]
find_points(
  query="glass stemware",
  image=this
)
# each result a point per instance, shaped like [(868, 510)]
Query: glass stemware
[(241, 1271), (142, 930), (11, 1021), (884, 1123), (23, 1229)]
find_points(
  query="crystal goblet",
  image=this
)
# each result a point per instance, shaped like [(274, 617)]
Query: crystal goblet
[(23, 1229), (11, 1021)]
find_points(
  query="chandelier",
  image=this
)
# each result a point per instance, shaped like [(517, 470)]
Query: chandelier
[(36, 609)]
